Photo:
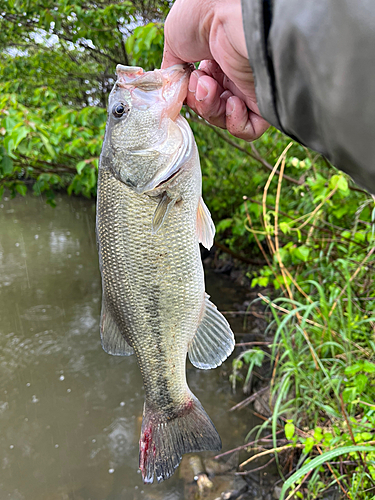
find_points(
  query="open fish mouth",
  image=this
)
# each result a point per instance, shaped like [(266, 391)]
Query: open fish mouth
[(135, 77), (171, 84)]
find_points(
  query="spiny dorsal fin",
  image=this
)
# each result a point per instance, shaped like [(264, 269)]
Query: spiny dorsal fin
[(113, 342), (162, 211), (205, 225), (214, 340)]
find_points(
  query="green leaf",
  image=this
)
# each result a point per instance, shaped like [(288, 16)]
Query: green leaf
[(302, 253), (223, 225), (47, 145), (368, 367), (309, 444), (289, 429), (263, 281), (318, 461), (360, 382), (21, 189), (278, 282), (254, 282), (340, 182), (285, 228), (318, 434), (349, 394), (19, 134), (327, 438), (363, 436), (353, 369), (80, 166), (10, 123), (255, 356), (7, 165)]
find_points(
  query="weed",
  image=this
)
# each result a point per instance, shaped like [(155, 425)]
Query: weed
[(320, 261)]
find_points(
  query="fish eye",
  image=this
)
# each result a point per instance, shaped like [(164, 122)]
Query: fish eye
[(120, 109)]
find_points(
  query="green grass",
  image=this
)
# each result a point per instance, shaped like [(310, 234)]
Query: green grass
[(320, 272)]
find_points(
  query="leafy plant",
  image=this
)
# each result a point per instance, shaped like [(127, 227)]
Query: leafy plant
[(323, 384)]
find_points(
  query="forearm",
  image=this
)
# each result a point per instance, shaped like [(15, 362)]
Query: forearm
[(313, 64)]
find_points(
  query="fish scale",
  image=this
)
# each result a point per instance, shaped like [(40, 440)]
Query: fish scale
[(150, 220), (134, 270)]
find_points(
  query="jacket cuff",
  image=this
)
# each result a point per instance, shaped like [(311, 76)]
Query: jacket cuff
[(256, 18)]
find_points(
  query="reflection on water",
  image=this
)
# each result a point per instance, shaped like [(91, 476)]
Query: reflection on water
[(70, 414)]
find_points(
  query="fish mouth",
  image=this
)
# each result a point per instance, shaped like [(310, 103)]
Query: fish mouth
[(171, 84), (136, 77)]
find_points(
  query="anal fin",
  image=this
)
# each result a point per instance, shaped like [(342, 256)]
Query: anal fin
[(214, 340), (113, 342), (205, 225)]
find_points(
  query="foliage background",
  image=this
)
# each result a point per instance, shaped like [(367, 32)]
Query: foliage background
[(308, 225)]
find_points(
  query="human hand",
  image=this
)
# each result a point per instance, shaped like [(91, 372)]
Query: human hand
[(222, 90)]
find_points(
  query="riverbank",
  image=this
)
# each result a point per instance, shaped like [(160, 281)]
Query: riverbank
[(311, 378)]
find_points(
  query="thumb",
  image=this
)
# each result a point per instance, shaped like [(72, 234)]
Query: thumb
[(169, 58)]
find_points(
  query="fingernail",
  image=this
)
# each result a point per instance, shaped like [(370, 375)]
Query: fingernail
[(202, 91), (230, 106), (193, 82)]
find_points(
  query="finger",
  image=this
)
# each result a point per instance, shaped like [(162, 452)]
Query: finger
[(185, 37), (212, 68), (193, 80), (170, 58), (204, 97), (242, 122)]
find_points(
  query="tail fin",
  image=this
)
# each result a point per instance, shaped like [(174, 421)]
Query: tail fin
[(165, 439)]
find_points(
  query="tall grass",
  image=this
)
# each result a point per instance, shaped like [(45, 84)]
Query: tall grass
[(322, 387)]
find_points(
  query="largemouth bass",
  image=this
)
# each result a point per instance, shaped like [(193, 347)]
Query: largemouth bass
[(150, 220)]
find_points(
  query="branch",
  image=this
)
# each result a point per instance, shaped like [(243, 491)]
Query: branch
[(254, 155), (61, 167), (242, 258)]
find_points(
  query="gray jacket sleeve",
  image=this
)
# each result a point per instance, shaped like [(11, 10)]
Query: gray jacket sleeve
[(314, 68)]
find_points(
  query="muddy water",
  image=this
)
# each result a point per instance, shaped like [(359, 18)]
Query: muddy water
[(70, 414)]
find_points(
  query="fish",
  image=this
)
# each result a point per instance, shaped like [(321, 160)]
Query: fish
[(150, 220)]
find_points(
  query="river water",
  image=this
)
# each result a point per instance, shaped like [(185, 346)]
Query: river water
[(70, 414)]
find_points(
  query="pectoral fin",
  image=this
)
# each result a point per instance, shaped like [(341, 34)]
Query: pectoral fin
[(214, 340), (113, 342), (161, 213), (205, 225)]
